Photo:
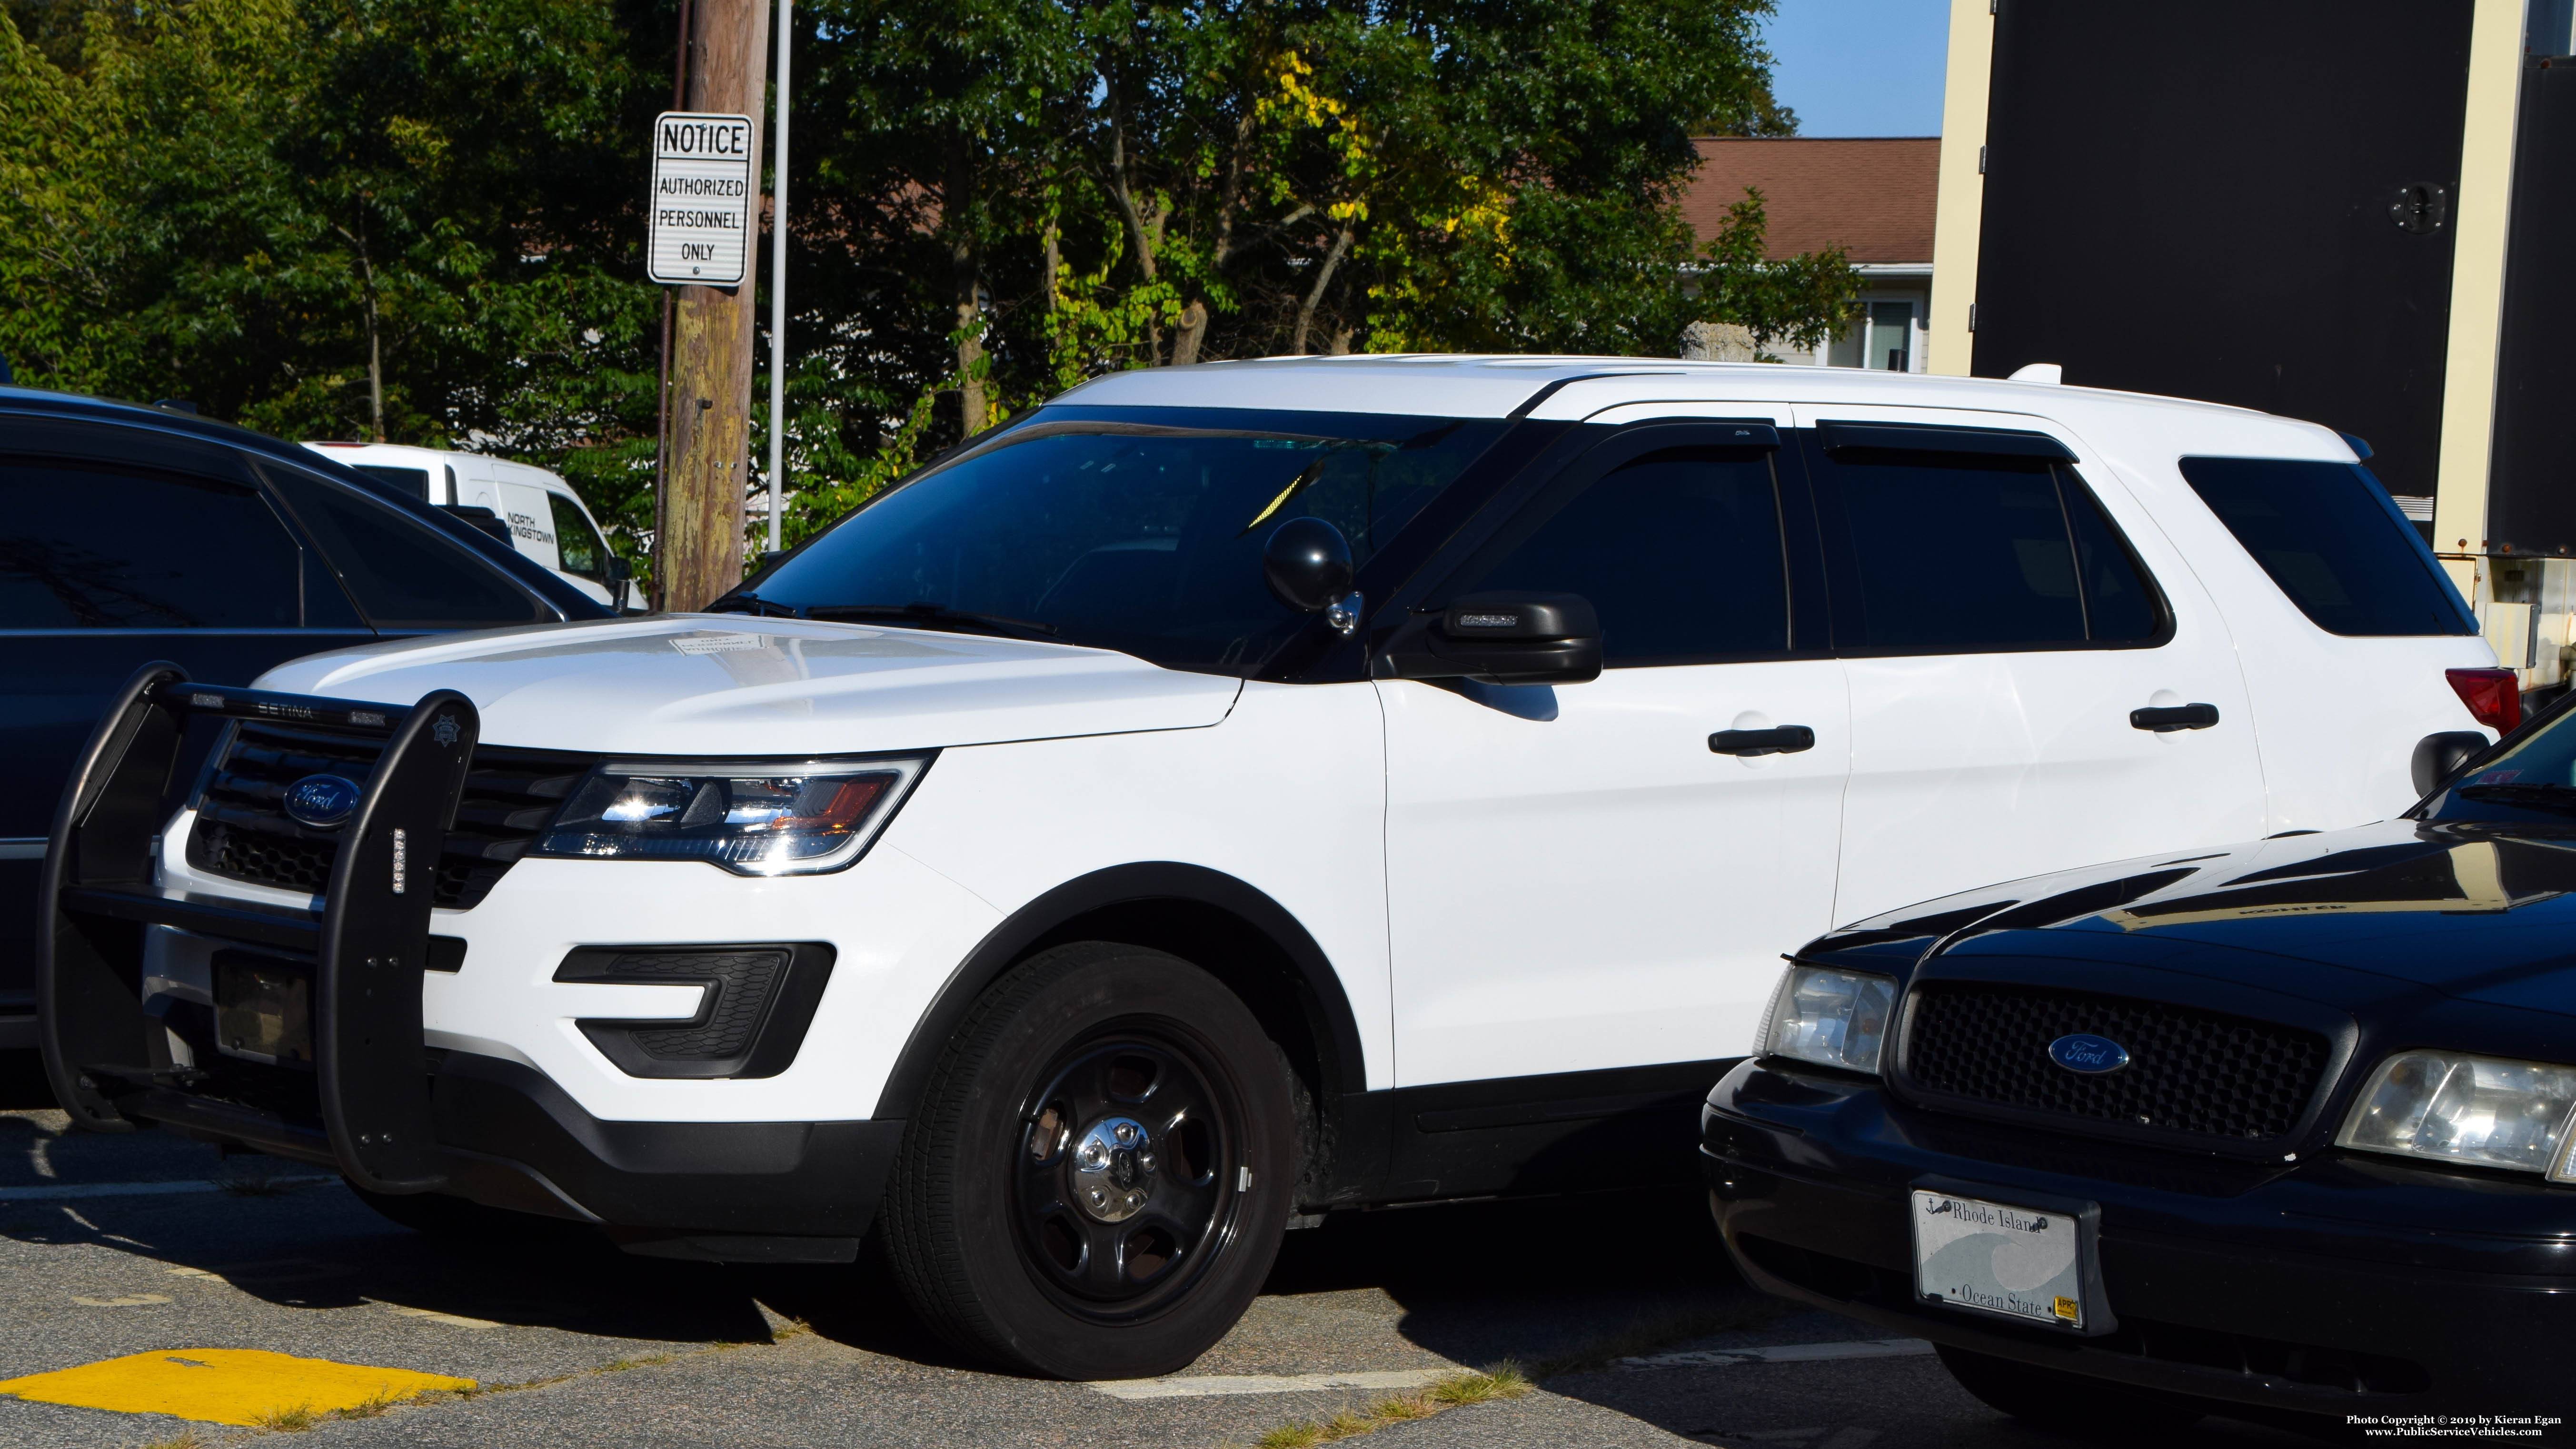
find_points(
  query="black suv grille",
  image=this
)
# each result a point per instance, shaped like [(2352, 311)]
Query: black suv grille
[(2189, 1071), (243, 830)]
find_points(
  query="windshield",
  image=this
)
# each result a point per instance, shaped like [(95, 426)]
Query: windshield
[(1140, 536), (2533, 781)]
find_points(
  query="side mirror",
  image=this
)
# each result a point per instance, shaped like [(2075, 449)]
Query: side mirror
[(1499, 639), (619, 575), (1307, 564), (2439, 757)]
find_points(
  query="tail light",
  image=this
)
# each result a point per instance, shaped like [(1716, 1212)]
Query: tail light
[(2494, 696)]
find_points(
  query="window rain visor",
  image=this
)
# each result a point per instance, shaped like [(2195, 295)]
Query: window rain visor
[(1139, 536), (752, 817), (1829, 1017)]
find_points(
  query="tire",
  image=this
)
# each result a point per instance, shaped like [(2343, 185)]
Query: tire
[(2066, 1402), (1095, 1181)]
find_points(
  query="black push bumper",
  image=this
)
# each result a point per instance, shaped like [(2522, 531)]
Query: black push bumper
[(372, 1102), (2331, 1286)]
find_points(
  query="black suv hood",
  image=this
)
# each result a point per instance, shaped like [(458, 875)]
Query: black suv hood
[(2400, 909)]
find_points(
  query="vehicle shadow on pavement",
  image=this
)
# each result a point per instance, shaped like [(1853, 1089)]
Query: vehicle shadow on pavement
[(317, 1247), (1549, 1282), (1476, 1283), (275, 1233), (856, 1305)]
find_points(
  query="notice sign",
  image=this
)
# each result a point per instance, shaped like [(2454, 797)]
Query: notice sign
[(701, 198)]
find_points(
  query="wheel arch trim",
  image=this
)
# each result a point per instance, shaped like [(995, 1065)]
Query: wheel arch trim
[(1341, 1063)]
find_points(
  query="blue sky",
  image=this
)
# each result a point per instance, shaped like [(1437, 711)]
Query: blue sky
[(1860, 67)]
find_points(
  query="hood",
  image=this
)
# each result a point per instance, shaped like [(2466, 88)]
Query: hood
[(735, 685), (2475, 913)]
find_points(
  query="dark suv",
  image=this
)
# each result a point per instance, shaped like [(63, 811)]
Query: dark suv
[(129, 534)]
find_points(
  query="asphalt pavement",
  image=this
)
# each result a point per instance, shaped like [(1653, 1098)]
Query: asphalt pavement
[(135, 1251)]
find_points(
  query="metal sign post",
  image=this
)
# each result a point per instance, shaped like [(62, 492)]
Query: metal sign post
[(702, 189), (778, 283)]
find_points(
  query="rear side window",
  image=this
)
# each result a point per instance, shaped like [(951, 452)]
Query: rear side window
[(1962, 552), (402, 574), (2328, 535), (1678, 551), (104, 547)]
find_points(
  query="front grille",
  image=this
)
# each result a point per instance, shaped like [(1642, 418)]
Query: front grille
[(2199, 1072), (243, 830)]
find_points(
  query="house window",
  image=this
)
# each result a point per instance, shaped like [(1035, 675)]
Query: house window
[(1881, 338)]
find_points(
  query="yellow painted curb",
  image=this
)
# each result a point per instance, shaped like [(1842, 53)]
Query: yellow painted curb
[(241, 1386)]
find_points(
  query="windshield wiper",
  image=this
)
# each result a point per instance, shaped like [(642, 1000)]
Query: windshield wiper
[(930, 615), (2532, 797)]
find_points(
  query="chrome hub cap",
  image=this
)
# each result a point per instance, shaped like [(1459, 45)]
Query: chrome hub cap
[(1113, 1169)]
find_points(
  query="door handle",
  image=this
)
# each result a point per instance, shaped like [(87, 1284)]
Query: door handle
[(1785, 740), (2178, 717)]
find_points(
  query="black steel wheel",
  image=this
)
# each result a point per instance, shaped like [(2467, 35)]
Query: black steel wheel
[(1120, 1195), (1102, 1162)]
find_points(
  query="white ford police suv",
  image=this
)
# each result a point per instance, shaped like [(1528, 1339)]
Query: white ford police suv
[(1228, 794)]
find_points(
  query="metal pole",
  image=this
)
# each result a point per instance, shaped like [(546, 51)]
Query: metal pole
[(662, 386), (778, 284)]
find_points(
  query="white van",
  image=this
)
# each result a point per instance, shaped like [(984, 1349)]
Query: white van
[(1226, 795), (536, 510)]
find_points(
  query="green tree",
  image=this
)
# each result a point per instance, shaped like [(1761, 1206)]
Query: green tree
[(397, 219), (420, 219)]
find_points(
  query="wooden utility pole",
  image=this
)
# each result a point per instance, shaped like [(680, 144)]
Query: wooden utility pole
[(701, 509)]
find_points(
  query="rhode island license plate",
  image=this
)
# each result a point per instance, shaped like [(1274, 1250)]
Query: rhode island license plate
[(1996, 1258)]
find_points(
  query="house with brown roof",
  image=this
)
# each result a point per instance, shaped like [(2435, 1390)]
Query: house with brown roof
[(1872, 196)]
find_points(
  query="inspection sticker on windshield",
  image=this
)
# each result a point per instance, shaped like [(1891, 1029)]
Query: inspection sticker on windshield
[(704, 642), (2019, 1262)]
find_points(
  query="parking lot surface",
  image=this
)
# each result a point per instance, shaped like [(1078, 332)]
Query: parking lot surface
[(145, 1247)]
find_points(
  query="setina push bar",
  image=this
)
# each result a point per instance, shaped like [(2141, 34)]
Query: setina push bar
[(111, 1062)]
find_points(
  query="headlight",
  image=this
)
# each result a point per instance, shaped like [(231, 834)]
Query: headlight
[(2475, 1110), (1829, 1017), (759, 817)]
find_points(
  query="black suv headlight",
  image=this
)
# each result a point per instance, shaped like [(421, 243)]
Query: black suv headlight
[(753, 817), (1829, 1016)]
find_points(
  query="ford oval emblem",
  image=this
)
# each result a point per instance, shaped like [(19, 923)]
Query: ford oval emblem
[(324, 802), (2087, 1053)]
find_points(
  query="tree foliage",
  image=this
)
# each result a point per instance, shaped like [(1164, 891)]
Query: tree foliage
[(423, 218)]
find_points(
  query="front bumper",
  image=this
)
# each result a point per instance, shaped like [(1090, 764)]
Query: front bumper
[(356, 1082), (2333, 1286)]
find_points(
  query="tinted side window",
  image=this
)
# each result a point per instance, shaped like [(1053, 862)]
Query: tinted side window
[(2120, 604), (1960, 552), (2328, 535), (1679, 551), (403, 575), (577, 544), (102, 547)]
